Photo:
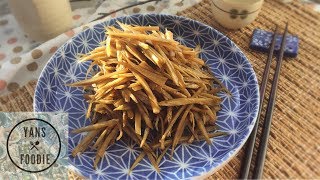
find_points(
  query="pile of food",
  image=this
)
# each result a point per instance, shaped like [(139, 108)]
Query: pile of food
[(149, 88)]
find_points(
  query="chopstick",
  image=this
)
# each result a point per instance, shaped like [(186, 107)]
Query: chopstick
[(264, 141), (257, 173), (252, 139)]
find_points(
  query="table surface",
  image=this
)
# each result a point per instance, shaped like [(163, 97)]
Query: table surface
[(294, 144)]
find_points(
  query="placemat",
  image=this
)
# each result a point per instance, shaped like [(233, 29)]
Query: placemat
[(294, 144)]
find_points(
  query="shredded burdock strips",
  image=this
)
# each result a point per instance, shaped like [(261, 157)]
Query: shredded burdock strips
[(146, 83)]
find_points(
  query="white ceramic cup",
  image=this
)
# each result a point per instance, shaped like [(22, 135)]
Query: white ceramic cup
[(235, 14), (42, 19)]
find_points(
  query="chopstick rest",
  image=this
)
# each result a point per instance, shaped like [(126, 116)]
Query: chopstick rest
[(261, 41)]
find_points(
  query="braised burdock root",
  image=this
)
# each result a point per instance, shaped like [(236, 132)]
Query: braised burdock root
[(147, 83)]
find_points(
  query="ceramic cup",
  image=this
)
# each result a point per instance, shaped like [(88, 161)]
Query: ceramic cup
[(235, 14), (42, 19)]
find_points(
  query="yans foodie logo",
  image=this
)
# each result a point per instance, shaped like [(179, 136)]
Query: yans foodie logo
[(38, 147)]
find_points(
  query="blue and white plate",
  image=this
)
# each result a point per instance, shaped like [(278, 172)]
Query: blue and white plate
[(227, 62)]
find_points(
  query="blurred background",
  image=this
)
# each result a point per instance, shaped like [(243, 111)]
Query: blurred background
[(76, 4), (33, 29)]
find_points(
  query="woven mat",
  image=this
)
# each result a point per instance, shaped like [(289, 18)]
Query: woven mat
[(294, 144)]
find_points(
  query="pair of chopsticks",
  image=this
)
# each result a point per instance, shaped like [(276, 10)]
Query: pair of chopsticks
[(260, 159)]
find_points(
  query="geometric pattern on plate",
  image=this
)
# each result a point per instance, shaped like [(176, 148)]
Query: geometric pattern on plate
[(237, 115)]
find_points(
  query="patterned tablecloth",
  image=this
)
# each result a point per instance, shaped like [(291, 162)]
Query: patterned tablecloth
[(22, 60)]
